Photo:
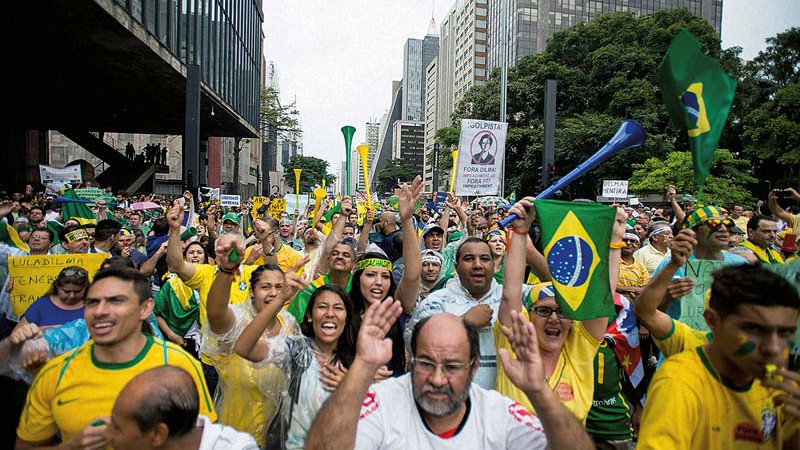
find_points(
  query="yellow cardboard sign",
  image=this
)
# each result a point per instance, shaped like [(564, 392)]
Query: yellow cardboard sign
[(258, 202), (361, 210), (34, 274), (277, 206)]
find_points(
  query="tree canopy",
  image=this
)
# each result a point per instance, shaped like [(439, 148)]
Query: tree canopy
[(606, 70), (396, 169), (313, 171)]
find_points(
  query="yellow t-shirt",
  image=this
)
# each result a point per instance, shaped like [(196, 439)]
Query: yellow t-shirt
[(287, 257), (690, 406), (204, 276), (680, 338), (72, 389), (573, 378)]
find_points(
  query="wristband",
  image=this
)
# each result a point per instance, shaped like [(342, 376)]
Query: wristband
[(617, 245)]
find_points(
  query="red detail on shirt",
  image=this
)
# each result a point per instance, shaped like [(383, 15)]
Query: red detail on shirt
[(448, 434), (747, 432), (370, 405), (564, 392), (523, 416)]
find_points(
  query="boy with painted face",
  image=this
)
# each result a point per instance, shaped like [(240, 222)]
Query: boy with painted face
[(719, 395)]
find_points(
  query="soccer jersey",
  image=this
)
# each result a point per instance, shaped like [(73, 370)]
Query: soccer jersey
[(390, 419), (691, 406), (681, 337), (573, 377), (73, 389), (610, 415), (204, 276), (286, 256)]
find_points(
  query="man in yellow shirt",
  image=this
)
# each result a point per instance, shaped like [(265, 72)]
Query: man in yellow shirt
[(713, 396), (270, 246), (71, 398)]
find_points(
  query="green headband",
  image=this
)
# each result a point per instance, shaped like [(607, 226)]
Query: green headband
[(374, 262)]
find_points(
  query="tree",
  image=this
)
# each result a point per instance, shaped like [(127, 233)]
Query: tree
[(397, 169), (277, 121), (726, 184), (606, 71), (313, 171)]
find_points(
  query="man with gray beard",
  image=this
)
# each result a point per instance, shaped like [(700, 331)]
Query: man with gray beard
[(436, 405)]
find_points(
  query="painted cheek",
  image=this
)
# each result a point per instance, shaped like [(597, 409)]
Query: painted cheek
[(745, 346)]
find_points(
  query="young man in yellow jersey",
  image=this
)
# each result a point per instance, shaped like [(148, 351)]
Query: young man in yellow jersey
[(71, 398), (712, 396)]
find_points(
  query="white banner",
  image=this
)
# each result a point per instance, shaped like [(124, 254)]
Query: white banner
[(55, 178), (481, 150), (615, 188), (229, 200)]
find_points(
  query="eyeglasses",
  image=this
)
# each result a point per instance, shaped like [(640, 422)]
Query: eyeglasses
[(427, 367), (546, 311), (74, 273)]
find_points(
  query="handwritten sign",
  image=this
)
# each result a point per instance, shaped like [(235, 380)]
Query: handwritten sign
[(258, 202), (277, 206), (615, 188), (34, 274), (694, 303)]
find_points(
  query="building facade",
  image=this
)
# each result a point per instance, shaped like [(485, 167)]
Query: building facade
[(417, 54), (409, 143)]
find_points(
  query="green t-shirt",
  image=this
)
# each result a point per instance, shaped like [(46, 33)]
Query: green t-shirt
[(610, 416)]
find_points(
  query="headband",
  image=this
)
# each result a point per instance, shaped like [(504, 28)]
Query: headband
[(432, 256), (660, 230), (76, 235), (538, 292), (494, 233), (374, 262), (633, 236)]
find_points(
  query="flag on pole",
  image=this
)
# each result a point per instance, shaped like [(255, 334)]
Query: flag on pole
[(73, 207), (576, 239), (624, 334), (698, 94)]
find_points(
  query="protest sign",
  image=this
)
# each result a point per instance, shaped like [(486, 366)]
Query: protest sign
[(56, 179), (94, 194), (481, 153), (33, 275), (258, 202), (295, 203), (694, 303), (617, 189), (276, 207), (229, 200)]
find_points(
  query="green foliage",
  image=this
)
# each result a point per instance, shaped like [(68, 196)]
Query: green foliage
[(772, 131), (397, 169), (606, 73), (277, 119), (313, 169), (727, 182)]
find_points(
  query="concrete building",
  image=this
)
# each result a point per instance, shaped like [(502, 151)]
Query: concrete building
[(372, 134), (383, 153), (531, 22), (128, 67), (431, 93)]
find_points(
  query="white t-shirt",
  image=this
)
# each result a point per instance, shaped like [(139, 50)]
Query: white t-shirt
[(223, 437), (389, 419)]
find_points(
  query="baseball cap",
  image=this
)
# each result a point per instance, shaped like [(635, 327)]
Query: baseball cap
[(430, 227), (432, 255), (231, 217)]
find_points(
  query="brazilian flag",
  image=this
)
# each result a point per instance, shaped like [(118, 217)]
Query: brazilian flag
[(698, 94), (576, 238)]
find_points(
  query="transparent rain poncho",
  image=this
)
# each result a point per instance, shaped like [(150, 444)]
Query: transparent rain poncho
[(249, 396), (297, 356)]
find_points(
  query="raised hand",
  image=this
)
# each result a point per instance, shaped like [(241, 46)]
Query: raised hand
[(373, 347), (620, 225), (525, 213), (293, 281), (224, 250), (682, 246), (527, 370), (409, 197), (175, 215)]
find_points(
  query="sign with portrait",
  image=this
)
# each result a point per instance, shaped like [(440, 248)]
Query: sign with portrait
[(481, 153)]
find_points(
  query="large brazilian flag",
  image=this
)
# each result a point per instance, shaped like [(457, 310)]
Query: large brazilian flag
[(576, 238), (698, 94)]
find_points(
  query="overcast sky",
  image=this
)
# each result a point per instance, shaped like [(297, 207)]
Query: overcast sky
[(338, 58)]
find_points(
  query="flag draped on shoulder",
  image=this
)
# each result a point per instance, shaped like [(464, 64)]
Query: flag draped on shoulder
[(698, 94), (624, 334), (576, 239)]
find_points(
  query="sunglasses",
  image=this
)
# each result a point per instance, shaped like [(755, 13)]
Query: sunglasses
[(74, 273), (716, 223)]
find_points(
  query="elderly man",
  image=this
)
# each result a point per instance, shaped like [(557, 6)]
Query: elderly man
[(270, 249), (437, 405), (659, 234), (287, 236)]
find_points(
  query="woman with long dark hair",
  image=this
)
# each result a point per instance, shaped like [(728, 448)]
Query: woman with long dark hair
[(329, 329)]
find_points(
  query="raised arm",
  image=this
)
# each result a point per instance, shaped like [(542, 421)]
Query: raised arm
[(366, 229), (514, 271), (647, 303), (776, 209), (673, 201), (408, 288), (211, 226), (336, 422), (149, 266), (175, 262), (220, 317), (563, 431)]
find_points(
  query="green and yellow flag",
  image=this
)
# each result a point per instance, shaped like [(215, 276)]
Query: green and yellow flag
[(576, 239), (698, 94)]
